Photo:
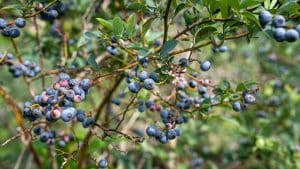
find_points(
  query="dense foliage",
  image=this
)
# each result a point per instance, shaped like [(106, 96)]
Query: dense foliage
[(149, 84)]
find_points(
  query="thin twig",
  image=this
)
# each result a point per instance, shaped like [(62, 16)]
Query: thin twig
[(166, 25)]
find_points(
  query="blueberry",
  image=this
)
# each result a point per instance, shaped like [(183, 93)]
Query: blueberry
[(164, 113), (44, 136), (80, 115), (291, 35), (237, 106), (112, 50), (183, 62), (89, 121), (156, 43), (249, 99), (14, 32), (264, 18), (133, 87), (193, 83), (163, 139), (63, 76), (153, 76), (68, 114), (223, 48), (202, 90), (61, 143), (6, 32), (171, 134), (205, 65), (3, 23), (116, 101), (20, 22), (151, 131), (149, 103), (73, 82), (149, 84), (37, 130), (178, 133), (52, 14), (141, 108), (85, 84), (298, 28), (278, 21), (142, 75), (279, 34), (102, 163)]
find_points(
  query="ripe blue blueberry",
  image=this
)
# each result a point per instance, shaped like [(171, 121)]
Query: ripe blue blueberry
[(68, 114), (278, 21), (249, 99), (279, 34), (85, 84), (61, 143), (153, 76), (133, 87), (151, 131), (6, 31), (205, 65), (20, 22), (142, 75), (164, 113), (291, 35), (193, 83), (80, 115), (171, 134), (52, 14), (177, 130), (112, 50), (44, 136), (141, 108), (116, 101), (149, 84), (163, 139), (89, 121), (149, 103), (102, 163), (298, 28), (223, 48), (14, 33), (264, 18), (237, 106), (202, 90), (183, 62), (3, 23)]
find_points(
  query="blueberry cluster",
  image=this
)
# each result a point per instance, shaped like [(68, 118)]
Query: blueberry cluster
[(27, 68), (145, 79), (57, 102), (53, 12), (163, 136), (50, 137), (248, 98), (280, 33), (11, 29)]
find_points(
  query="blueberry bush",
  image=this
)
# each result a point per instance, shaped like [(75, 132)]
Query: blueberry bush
[(148, 84)]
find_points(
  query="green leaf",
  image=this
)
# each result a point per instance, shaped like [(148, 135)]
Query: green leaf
[(248, 3), (138, 7), (240, 87), (290, 8), (130, 25), (105, 23), (179, 8), (167, 47), (92, 62), (118, 26), (224, 85), (203, 33), (147, 25)]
